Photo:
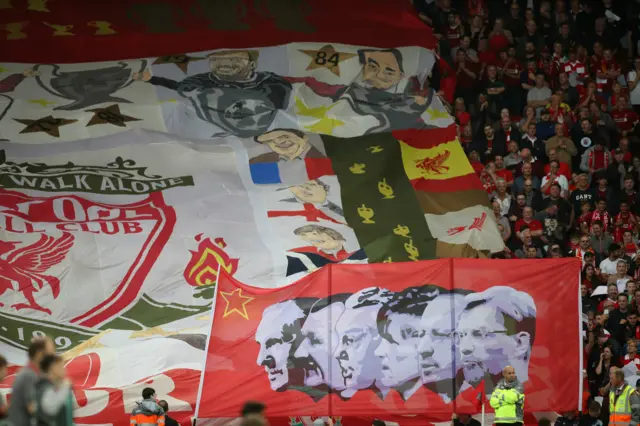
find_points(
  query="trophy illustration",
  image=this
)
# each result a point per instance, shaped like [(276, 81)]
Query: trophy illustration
[(87, 87), (366, 213)]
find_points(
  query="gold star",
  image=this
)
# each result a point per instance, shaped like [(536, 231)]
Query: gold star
[(435, 114), (181, 61), (109, 115), (236, 302), (325, 124), (150, 332), (375, 149), (3, 69), (41, 102), (327, 57), (92, 343), (48, 125)]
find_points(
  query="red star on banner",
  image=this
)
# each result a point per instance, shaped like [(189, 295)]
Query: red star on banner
[(236, 302)]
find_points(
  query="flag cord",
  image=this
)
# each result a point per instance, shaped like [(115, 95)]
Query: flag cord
[(206, 348)]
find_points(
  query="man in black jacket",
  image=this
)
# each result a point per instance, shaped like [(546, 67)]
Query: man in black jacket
[(168, 421)]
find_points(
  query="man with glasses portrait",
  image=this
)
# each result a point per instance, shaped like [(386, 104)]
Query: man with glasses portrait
[(496, 329)]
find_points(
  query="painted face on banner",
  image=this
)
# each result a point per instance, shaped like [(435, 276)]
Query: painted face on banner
[(277, 335), (357, 340), (381, 70), (315, 353), (231, 65), (439, 359), (399, 356), (289, 145), (483, 342), (310, 192)]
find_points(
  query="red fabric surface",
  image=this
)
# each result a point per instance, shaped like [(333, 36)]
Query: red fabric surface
[(184, 26), (237, 364)]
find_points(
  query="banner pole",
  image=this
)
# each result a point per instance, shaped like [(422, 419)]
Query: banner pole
[(206, 346), (581, 343), (482, 418)]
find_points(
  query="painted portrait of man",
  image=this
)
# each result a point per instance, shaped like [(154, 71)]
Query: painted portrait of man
[(285, 145), (378, 91), (438, 356), (358, 338), (314, 355), (233, 95), (316, 206), (401, 332), (279, 334), (326, 245), (496, 329)]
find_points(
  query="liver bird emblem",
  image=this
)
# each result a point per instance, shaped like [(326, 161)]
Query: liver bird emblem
[(434, 165), (26, 266)]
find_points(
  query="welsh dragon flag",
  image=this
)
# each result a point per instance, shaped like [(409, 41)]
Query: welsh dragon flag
[(150, 144)]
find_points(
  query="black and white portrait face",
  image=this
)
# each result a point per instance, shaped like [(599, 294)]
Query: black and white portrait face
[(358, 338), (495, 330), (315, 352), (398, 349), (278, 333), (439, 359)]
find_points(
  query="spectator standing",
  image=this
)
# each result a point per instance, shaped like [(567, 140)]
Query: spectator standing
[(624, 400), (23, 392), (632, 80), (592, 418), (3, 375), (465, 420), (147, 412), (539, 95), (507, 399), (168, 421), (53, 394), (562, 145)]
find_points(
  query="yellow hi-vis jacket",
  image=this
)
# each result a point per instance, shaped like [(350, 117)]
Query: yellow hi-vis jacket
[(624, 406), (507, 400)]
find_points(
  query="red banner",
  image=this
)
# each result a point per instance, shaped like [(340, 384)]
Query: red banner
[(392, 341), (43, 31)]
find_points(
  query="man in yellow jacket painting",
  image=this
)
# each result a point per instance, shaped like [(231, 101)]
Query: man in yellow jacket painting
[(507, 399), (624, 401)]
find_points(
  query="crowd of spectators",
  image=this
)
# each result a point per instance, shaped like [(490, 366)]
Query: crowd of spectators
[(546, 98)]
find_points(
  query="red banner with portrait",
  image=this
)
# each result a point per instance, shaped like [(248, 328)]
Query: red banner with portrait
[(410, 342)]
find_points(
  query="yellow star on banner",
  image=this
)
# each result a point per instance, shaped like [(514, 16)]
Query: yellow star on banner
[(3, 69), (325, 124), (327, 57), (92, 343), (435, 114), (236, 302), (150, 332), (41, 102)]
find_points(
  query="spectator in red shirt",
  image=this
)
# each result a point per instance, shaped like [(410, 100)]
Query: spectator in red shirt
[(608, 71), (575, 69), (596, 58), (466, 77), (501, 171), (564, 168), (625, 118), (499, 38), (454, 30), (534, 225), (474, 160)]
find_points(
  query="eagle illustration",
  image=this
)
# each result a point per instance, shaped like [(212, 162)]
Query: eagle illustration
[(26, 267)]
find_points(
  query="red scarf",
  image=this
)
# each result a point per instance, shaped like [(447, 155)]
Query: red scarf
[(602, 216), (599, 161)]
